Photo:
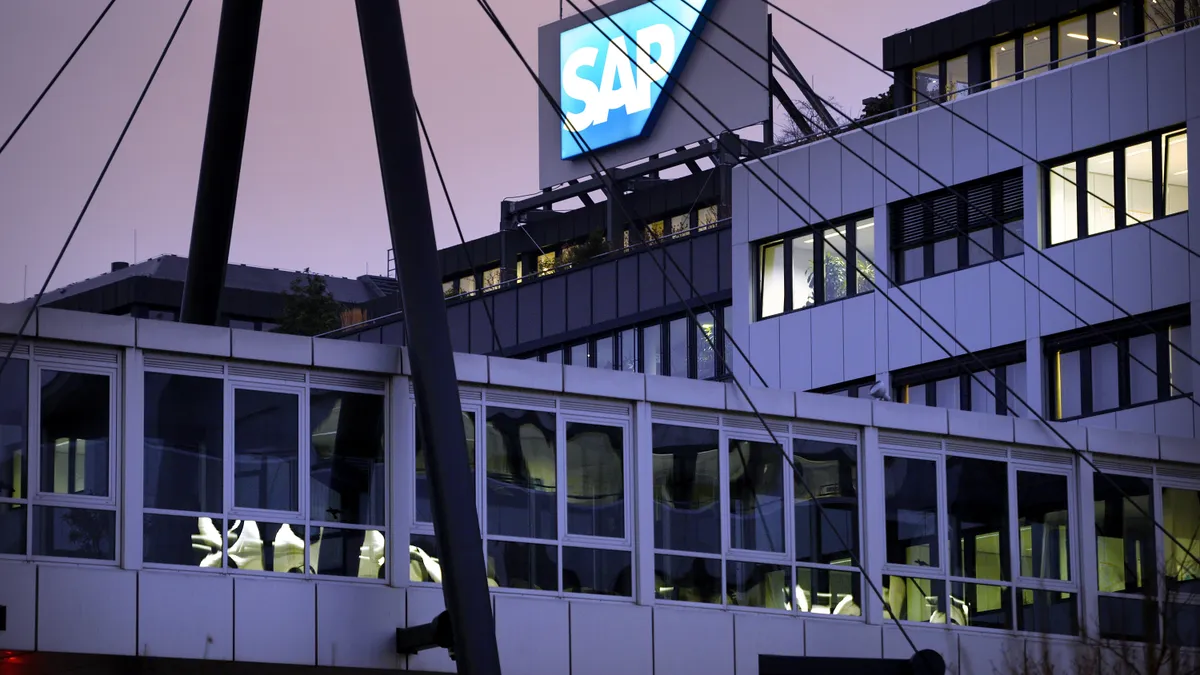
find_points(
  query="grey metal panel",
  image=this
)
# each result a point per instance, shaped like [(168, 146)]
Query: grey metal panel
[(482, 341), (738, 100), (604, 292), (372, 335), (650, 282), (579, 299), (393, 334), (705, 265), (725, 260), (529, 312), (458, 317), (627, 286), (678, 288), (504, 308), (554, 305)]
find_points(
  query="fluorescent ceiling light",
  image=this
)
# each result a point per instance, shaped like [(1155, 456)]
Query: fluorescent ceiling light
[(1106, 41), (1181, 173), (863, 227), (1077, 36)]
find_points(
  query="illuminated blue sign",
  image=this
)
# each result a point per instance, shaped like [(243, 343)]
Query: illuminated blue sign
[(613, 90)]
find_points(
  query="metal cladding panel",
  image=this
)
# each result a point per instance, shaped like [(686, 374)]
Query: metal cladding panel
[(889, 52), (627, 286), (458, 317), (725, 260), (554, 305), (1003, 16), (579, 299), (944, 35), (482, 341), (738, 101), (681, 254), (604, 292), (393, 334), (529, 312), (650, 283), (705, 264), (504, 308)]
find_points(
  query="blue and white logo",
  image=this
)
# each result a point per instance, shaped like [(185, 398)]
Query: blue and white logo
[(612, 90)]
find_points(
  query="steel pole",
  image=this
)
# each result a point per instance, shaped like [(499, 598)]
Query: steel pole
[(439, 410)]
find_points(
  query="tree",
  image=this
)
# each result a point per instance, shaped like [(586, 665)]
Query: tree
[(791, 132), (309, 307), (880, 104)]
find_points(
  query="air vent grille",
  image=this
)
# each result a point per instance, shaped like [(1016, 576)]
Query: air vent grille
[(521, 400), (46, 352), (685, 417), (910, 442), (185, 365), (265, 373), (595, 407), (819, 431), (347, 382)]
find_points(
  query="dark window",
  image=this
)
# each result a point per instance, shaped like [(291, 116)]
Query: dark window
[(424, 496), (989, 386), (266, 450), (1126, 565), (347, 476), (941, 232), (522, 484), (184, 443), (595, 480), (816, 265), (75, 434), (830, 472), (687, 490)]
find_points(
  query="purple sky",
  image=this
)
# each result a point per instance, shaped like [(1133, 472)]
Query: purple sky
[(310, 190)]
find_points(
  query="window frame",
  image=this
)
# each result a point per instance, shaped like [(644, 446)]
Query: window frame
[(995, 362), (1157, 139)]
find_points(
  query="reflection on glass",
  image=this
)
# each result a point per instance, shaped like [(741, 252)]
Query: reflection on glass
[(1124, 537), (771, 279), (424, 496), (554, 356), (914, 263), (1014, 238), (1143, 375), (343, 552), (74, 533), (830, 471), (912, 599), (865, 243), (595, 480), (1105, 378), (597, 572), (1048, 612), (983, 388), (977, 523), (835, 263), (1182, 623), (927, 83), (521, 473), (706, 338), (1014, 385), (916, 395), (184, 442), (1044, 526), (803, 273), (687, 489), (1181, 366), (266, 447), (957, 78), (948, 393), (1108, 31), (749, 584), (14, 416), (182, 540), (1175, 173), (910, 498), (1181, 518), (1128, 618), (945, 255), (1160, 18), (1072, 41), (1139, 183), (75, 433), (821, 591), (1037, 51), (604, 353), (1101, 194), (579, 355), (1069, 385), (687, 579), (978, 605), (979, 246), (423, 560), (755, 496), (266, 547), (12, 528), (1004, 63), (519, 565), (652, 350), (628, 339), (730, 353), (678, 336), (347, 476)]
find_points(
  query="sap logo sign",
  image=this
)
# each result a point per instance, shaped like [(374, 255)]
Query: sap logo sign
[(614, 87)]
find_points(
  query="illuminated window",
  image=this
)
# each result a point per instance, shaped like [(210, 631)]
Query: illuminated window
[(491, 279), (1108, 31), (1036, 45), (546, 263), (1175, 173), (1101, 193), (771, 280), (957, 78), (927, 83), (1004, 63), (1072, 41), (810, 267)]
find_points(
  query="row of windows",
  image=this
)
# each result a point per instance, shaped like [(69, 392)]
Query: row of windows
[(1124, 185), (674, 347), (813, 266), (988, 388)]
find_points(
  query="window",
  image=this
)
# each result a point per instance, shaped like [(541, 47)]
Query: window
[(955, 556), (707, 341), (629, 350), (855, 389), (546, 263), (927, 82), (811, 267), (578, 355), (1004, 63), (957, 78), (491, 278), (947, 231), (1164, 17), (1150, 172), (1073, 41), (1119, 365), (1108, 31), (14, 456), (1126, 555), (678, 332), (466, 285), (652, 350), (604, 353), (706, 218), (1036, 52)]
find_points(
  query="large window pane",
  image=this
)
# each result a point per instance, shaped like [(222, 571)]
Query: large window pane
[(706, 338), (184, 442), (1037, 51), (183, 540), (628, 339), (521, 473), (1042, 518), (1015, 386), (579, 354), (957, 78), (830, 470), (821, 591), (75, 433), (835, 263), (687, 489), (977, 522), (756, 496), (678, 337), (342, 552), (1106, 378), (983, 392), (1072, 41), (913, 263), (595, 480), (14, 417), (749, 584), (1101, 195), (1143, 369), (1067, 378), (1125, 555), (1064, 207), (347, 476), (652, 349), (12, 528), (267, 547), (1181, 365), (1108, 30), (604, 353), (1181, 519), (597, 572), (1004, 63), (1014, 238), (979, 248), (1139, 183), (687, 579), (803, 273), (927, 82), (865, 243), (1048, 612), (980, 605), (770, 283), (910, 501), (74, 533), (520, 565), (1160, 18), (424, 495), (266, 447), (949, 393), (1175, 173), (912, 599), (945, 255)]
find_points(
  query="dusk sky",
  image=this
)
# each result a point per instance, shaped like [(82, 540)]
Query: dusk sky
[(310, 191)]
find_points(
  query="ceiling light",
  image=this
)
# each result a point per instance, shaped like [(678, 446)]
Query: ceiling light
[(863, 227), (1106, 41), (1181, 173), (1077, 36)]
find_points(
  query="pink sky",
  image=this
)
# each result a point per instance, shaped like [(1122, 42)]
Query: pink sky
[(310, 191)]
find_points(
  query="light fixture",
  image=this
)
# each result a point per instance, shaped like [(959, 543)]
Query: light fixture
[(1077, 36), (1181, 173), (863, 227), (1106, 41)]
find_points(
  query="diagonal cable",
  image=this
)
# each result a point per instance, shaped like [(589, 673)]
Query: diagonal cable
[(95, 187), (957, 360), (454, 214), (1094, 330), (46, 90)]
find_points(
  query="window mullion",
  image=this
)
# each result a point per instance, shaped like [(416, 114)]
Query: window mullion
[(1081, 194), (1162, 344), (788, 274), (1124, 394), (818, 265), (851, 243), (1119, 188), (1158, 181), (1085, 381)]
